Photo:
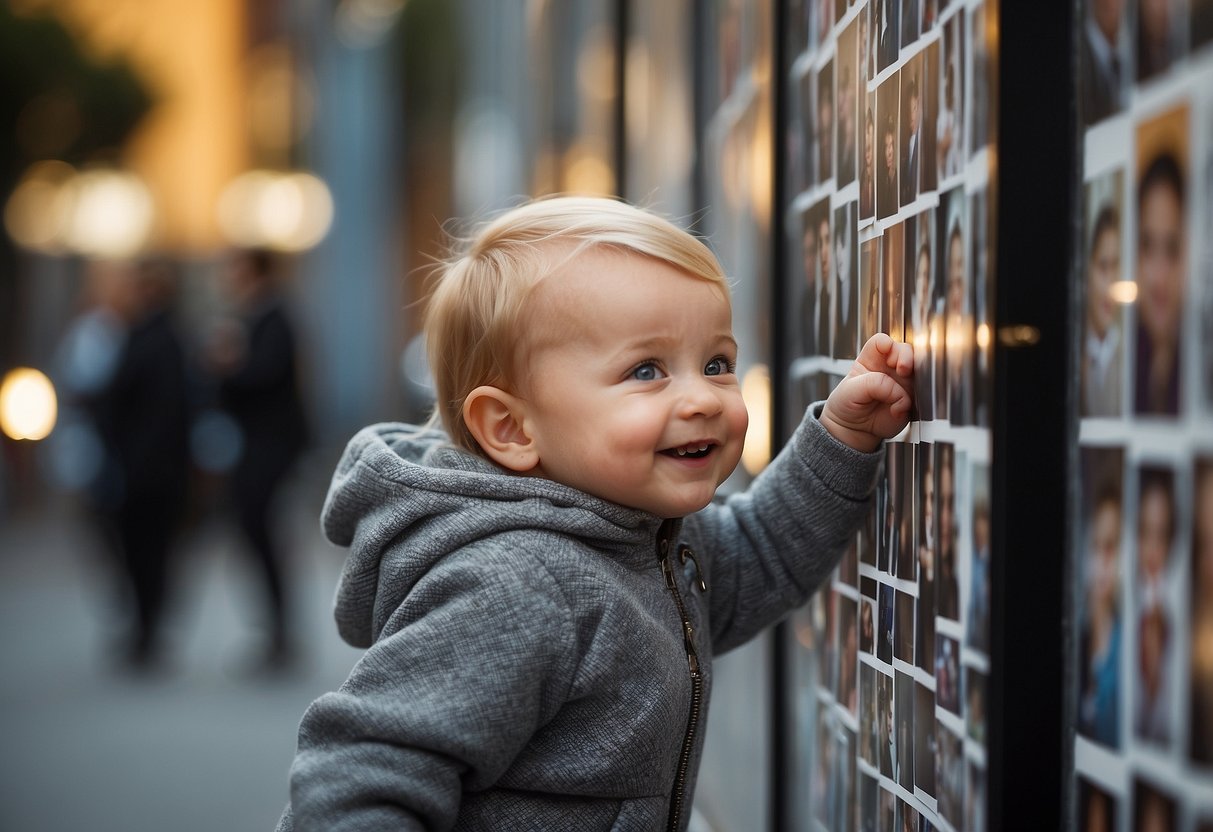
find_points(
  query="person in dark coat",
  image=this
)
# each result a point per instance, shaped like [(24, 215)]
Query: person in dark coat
[(258, 387)]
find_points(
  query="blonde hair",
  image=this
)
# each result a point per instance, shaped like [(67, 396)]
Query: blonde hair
[(473, 314)]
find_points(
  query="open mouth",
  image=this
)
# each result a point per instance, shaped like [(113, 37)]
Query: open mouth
[(695, 450)]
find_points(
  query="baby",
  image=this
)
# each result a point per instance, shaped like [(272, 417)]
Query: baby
[(542, 585)]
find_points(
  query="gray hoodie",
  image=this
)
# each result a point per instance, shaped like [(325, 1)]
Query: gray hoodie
[(538, 658)]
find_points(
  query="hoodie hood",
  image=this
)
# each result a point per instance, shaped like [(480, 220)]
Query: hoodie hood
[(403, 497)]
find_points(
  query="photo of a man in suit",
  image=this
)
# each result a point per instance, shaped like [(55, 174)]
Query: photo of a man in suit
[(911, 146), (1101, 65), (846, 287)]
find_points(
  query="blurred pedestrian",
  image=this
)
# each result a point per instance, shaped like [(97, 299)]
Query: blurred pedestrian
[(141, 416), (256, 370)]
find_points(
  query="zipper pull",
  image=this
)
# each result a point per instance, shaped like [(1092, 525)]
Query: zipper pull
[(685, 552)]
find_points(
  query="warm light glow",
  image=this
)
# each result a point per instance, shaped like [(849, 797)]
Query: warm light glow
[(284, 211), (112, 213), (983, 336), (596, 65), (586, 171), (761, 148), (38, 211), (1123, 291), (27, 404), (756, 392)]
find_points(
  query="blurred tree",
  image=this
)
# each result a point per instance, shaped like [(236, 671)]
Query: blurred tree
[(56, 102)]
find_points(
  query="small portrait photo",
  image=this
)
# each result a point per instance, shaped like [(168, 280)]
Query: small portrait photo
[(816, 262), (847, 143), (805, 171), (867, 714), (1102, 59), (885, 32), (846, 285), (821, 19), (868, 162), (926, 531), (1161, 262), (1100, 632), (825, 123), (975, 798), (950, 776), (1153, 719), (888, 99), (912, 88), (907, 552), (977, 624), (1096, 808), (884, 643), (907, 817), (848, 647), (981, 225), (925, 749), (1153, 809), (866, 537), (888, 500), (887, 804), (981, 113), (886, 737), (929, 115), (1162, 34), (864, 46), (868, 822), (867, 626), (892, 309), (1201, 599), (904, 691), (925, 306), (955, 387), (947, 580), (975, 705), (904, 629), (869, 289), (947, 673), (910, 11), (949, 123)]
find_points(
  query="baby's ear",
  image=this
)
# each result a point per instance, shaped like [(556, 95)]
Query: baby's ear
[(495, 419)]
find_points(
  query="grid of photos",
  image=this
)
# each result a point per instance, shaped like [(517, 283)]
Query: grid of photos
[(890, 228), (1143, 540)]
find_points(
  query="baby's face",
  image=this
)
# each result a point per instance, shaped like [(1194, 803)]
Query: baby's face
[(630, 388)]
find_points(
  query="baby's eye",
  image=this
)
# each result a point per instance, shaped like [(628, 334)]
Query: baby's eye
[(648, 371), (718, 366)]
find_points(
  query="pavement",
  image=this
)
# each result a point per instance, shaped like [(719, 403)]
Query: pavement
[(199, 745)]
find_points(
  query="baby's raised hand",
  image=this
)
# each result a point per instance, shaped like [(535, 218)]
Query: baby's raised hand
[(873, 402)]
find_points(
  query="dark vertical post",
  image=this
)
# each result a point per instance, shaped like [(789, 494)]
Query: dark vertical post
[(1035, 180), (622, 25)]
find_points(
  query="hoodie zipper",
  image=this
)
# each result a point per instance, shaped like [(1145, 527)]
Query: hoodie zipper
[(688, 633)]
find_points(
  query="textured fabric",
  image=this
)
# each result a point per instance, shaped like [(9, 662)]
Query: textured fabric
[(526, 666)]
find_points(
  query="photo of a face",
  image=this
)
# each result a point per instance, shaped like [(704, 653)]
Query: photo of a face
[(848, 106), (907, 553), (975, 705), (867, 626), (949, 126), (1156, 524), (1201, 599), (1100, 629), (947, 580), (977, 624), (955, 388), (868, 161), (950, 776), (867, 714), (1161, 263), (884, 644), (927, 529), (888, 98), (904, 644), (869, 288), (885, 734), (825, 123), (911, 129), (1161, 37), (925, 747), (947, 673), (924, 319), (981, 232), (904, 692), (891, 304), (885, 32), (846, 284)]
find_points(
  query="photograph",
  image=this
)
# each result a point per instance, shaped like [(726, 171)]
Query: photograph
[(947, 673), (823, 765), (1200, 748), (925, 748), (907, 551), (1096, 808), (1099, 631), (910, 10), (981, 113), (864, 44), (892, 309), (924, 303), (824, 124), (1162, 257), (904, 691), (888, 98), (977, 622), (955, 386), (1162, 34), (947, 580), (816, 267), (910, 178), (867, 625), (1153, 719), (1153, 809), (885, 32), (868, 804), (869, 289), (949, 123), (884, 644), (848, 648), (907, 819), (1102, 59), (885, 735), (949, 776), (974, 799), (904, 629), (868, 162), (975, 704), (845, 291), (887, 807), (847, 143), (928, 115), (982, 231), (842, 780), (927, 530), (868, 748)]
